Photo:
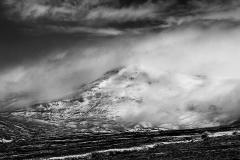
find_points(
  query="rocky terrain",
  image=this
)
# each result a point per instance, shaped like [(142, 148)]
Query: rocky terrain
[(207, 143), (91, 109)]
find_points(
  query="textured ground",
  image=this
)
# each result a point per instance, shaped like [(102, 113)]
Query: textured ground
[(208, 143)]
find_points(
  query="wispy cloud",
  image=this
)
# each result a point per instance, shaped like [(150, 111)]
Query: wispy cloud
[(78, 29), (122, 15), (32, 10)]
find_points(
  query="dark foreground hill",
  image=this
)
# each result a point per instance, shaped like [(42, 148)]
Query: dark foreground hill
[(208, 143)]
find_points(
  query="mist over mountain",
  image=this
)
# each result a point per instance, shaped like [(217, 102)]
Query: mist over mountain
[(182, 57)]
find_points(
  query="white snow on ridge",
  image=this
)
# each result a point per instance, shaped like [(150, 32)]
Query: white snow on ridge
[(5, 140), (144, 147), (226, 133)]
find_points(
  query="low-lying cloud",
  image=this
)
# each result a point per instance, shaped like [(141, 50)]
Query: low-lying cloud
[(188, 78), (56, 76), (122, 15)]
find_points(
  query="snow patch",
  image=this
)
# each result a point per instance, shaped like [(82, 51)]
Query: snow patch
[(5, 140), (144, 147)]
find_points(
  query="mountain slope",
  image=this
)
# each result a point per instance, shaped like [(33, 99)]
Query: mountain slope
[(124, 99)]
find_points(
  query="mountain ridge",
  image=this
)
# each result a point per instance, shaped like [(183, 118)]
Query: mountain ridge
[(106, 105)]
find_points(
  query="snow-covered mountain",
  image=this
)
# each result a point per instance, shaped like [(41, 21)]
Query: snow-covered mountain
[(124, 99)]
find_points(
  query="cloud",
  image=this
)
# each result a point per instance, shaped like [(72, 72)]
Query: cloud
[(227, 14), (106, 13), (206, 48), (121, 15), (82, 10), (177, 101), (233, 14), (28, 10), (194, 77), (58, 74), (78, 29)]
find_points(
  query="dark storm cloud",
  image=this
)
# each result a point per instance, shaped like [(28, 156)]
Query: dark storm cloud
[(108, 14), (78, 10)]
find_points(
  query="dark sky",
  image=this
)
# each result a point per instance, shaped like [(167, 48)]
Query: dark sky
[(31, 32), (32, 29)]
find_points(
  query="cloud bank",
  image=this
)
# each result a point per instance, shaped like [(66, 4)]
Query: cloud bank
[(56, 76), (194, 78)]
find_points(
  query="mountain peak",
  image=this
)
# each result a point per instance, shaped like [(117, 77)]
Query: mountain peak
[(123, 99)]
